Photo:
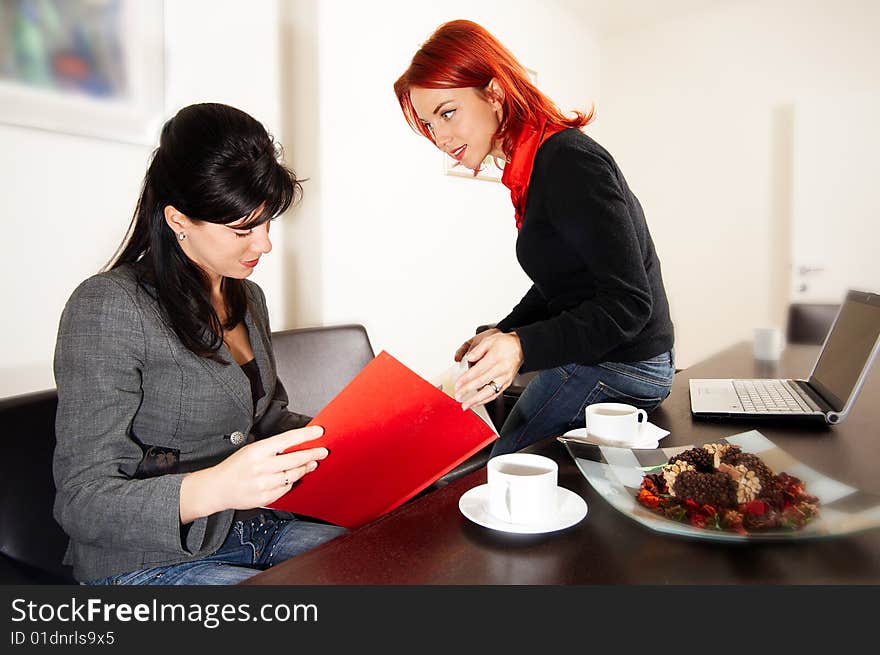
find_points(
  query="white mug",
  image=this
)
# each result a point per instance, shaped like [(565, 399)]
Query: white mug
[(615, 422), (522, 487), (769, 342)]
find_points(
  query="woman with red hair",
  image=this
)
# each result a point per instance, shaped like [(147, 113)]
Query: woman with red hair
[(595, 322)]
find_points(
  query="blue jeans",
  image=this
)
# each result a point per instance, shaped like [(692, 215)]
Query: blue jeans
[(554, 401), (250, 547)]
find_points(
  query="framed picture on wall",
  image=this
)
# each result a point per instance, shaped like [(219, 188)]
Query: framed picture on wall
[(87, 67), (490, 170)]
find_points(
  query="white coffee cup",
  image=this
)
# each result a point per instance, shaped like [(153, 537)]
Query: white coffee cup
[(522, 487), (615, 422), (769, 343)]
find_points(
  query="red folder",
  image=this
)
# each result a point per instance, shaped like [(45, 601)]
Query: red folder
[(390, 434)]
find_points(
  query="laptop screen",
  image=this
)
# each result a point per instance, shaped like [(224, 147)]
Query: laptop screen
[(847, 348)]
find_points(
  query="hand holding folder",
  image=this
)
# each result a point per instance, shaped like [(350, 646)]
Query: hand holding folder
[(390, 434)]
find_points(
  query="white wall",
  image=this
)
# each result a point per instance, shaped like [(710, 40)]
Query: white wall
[(229, 51), (65, 204), (382, 237), (698, 110), (66, 200), (304, 230), (419, 257)]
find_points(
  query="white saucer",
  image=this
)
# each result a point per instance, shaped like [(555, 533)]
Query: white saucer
[(649, 437), (571, 508)]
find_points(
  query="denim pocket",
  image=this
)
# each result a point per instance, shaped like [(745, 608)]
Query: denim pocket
[(646, 397), (658, 370), (566, 370), (139, 577), (604, 392), (149, 576)]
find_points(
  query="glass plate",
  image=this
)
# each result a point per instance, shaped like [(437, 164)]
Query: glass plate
[(616, 474)]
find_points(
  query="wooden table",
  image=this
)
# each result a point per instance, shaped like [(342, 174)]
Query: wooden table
[(428, 541)]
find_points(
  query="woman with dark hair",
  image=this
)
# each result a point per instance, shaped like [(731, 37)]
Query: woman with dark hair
[(595, 322), (172, 425)]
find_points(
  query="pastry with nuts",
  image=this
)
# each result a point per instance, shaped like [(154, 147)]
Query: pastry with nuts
[(718, 486)]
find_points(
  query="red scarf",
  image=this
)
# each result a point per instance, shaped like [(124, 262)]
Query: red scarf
[(518, 171)]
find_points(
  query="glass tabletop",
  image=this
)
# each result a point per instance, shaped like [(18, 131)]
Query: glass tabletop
[(616, 474)]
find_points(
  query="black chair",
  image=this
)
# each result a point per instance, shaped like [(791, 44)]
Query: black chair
[(314, 364), (809, 323), (32, 544)]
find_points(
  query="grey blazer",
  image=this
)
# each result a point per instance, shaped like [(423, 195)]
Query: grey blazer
[(127, 386)]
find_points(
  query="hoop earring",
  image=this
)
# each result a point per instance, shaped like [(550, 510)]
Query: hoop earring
[(181, 236)]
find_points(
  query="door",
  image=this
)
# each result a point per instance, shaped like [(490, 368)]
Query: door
[(836, 198)]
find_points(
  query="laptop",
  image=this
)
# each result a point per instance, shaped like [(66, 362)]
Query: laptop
[(827, 395)]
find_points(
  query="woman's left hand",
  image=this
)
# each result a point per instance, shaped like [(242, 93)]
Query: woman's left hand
[(496, 359)]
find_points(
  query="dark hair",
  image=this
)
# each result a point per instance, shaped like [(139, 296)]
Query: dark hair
[(216, 164)]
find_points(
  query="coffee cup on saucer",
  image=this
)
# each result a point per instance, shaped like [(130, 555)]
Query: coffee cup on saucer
[(522, 497), (522, 488), (615, 423)]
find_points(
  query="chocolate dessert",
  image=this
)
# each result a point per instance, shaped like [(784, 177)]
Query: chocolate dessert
[(719, 487)]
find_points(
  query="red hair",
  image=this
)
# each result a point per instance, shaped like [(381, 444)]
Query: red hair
[(462, 54)]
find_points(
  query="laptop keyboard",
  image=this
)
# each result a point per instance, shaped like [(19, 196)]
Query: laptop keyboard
[(769, 397)]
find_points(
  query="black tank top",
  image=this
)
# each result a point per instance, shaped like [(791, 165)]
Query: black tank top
[(253, 373)]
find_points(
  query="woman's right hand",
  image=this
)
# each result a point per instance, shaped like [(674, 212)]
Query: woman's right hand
[(253, 476), (464, 348)]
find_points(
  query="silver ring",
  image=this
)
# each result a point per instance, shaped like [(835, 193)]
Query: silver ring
[(286, 480), (494, 386)]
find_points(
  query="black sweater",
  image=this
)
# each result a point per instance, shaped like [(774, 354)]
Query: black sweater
[(598, 293)]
